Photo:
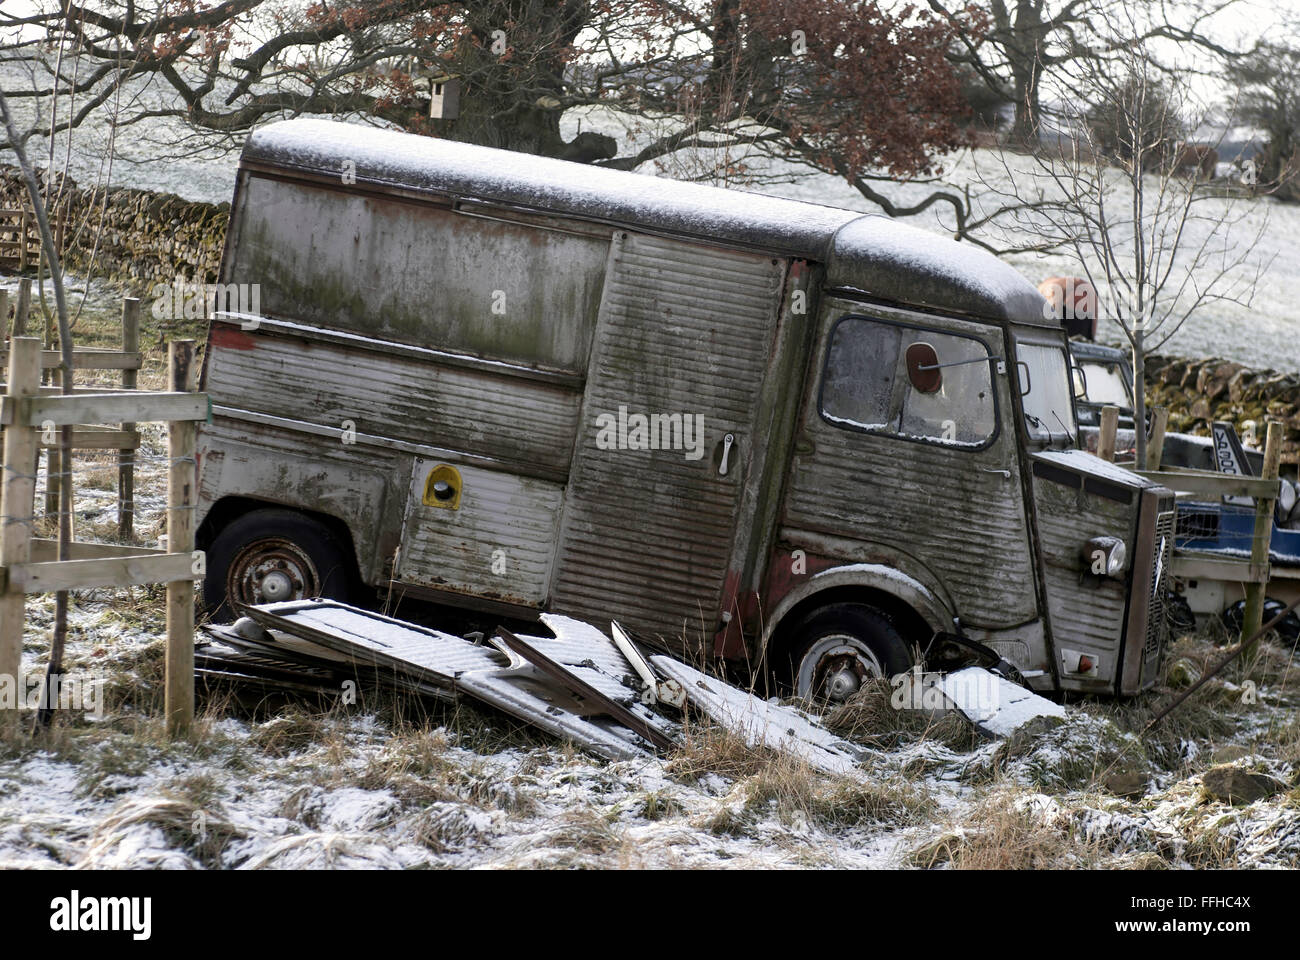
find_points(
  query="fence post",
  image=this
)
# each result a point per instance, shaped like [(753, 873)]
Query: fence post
[(4, 313), (1253, 614), (1156, 443), (126, 458), (17, 493), (1106, 437), (23, 309), (181, 498)]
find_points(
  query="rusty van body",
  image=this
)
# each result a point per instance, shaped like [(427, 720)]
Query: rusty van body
[(781, 432)]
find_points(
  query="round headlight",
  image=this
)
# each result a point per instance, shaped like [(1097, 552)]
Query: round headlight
[(1115, 561), (1105, 556)]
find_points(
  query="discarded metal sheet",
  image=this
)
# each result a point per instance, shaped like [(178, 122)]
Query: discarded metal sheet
[(760, 722), (510, 684), (573, 679), (996, 706)]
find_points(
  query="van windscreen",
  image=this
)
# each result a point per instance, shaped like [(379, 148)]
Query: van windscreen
[(1046, 392)]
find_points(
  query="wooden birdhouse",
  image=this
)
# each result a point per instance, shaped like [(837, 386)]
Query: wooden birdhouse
[(444, 98)]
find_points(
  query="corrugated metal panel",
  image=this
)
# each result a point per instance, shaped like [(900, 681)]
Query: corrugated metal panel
[(499, 543), (418, 401), (1085, 616), (647, 533)]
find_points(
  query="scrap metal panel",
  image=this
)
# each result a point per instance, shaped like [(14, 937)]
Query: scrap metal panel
[(647, 534)]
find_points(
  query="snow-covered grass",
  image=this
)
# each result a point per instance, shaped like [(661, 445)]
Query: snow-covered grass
[(398, 783)]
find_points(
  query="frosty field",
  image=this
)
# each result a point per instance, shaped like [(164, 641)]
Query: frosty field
[(407, 784)]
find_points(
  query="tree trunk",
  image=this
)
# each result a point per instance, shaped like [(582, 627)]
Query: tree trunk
[(1140, 396)]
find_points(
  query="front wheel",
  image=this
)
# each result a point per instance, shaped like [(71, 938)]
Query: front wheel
[(272, 555), (839, 648)]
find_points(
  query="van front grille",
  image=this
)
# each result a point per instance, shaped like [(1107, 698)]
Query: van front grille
[(1163, 552)]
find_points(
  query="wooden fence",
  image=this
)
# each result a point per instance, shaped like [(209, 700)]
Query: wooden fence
[(29, 564), (125, 439), (1251, 569)]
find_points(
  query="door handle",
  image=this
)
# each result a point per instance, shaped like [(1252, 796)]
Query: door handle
[(1006, 474), (727, 442)]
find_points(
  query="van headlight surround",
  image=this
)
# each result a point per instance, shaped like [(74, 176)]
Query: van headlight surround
[(1105, 556)]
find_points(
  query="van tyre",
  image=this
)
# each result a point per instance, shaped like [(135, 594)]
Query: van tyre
[(273, 555), (838, 648)]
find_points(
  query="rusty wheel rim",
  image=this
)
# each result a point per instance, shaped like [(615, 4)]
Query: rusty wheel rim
[(272, 570), (835, 667)]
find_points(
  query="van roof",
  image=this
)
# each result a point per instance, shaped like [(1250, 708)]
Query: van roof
[(874, 255)]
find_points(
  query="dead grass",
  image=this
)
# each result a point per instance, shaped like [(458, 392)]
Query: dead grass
[(869, 718), (1002, 834), (201, 831), (766, 783)]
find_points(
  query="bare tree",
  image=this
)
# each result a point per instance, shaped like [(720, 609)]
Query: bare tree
[(1269, 81), (64, 463), (1152, 241), (1029, 40), (848, 87)]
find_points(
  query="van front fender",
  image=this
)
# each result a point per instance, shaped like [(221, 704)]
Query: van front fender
[(871, 577)]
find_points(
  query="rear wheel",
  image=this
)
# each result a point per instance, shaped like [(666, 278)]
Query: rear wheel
[(839, 648), (273, 555)]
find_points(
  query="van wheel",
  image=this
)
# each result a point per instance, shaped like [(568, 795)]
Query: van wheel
[(838, 648), (273, 555)]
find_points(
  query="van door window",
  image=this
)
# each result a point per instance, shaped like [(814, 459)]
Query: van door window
[(911, 382)]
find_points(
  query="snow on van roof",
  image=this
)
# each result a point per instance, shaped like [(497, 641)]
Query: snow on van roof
[(882, 257)]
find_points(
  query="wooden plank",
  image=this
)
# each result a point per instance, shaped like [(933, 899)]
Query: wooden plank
[(17, 493), (85, 439), (45, 550), (1106, 438), (1212, 484), (52, 576), (88, 359), (117, 407), (1252, 615), (1202, 565), (182, 481), (1156, 444), (126, 455)]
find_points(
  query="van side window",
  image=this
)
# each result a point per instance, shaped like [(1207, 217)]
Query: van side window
[(947, 398)]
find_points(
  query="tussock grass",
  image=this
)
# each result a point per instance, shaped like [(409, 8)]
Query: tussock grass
[(202, 831), (767, 783), (1003, 834), (869, 718)]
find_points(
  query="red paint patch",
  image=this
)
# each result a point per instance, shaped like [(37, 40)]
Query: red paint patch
[(231, 337)]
